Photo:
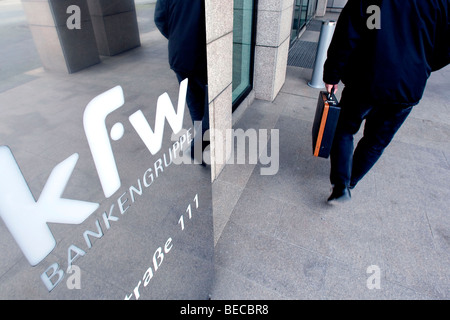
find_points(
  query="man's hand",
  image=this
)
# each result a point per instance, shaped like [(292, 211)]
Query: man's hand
[(329, 87)]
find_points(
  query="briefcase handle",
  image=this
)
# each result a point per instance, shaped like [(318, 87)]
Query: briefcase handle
[(330, 94)]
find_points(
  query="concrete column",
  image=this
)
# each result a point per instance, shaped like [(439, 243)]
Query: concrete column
[(321, 8), (62, 49), (115, 25), (219, 38), (274, 24), (336, 5)]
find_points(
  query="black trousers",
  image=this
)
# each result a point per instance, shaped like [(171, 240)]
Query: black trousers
[(349, 165), (198, 105), (197, 98)]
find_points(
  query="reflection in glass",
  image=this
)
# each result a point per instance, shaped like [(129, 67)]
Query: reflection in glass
[(102, 185), (242, 48), (304, 11)]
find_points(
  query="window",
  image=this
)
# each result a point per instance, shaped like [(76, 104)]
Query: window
[(299, 18), (312, 6), (304, 11), (243, 49)]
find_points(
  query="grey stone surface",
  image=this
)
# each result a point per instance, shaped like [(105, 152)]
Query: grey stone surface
[(42, 123), (225, 195), (61, 49), (219, 39), (116, 33), (284, 241), (220, 61), (276, 237), (274, 5), (219, 19), (272, 45), (110, 7), (53, 12), (250, 290), (220, 122)]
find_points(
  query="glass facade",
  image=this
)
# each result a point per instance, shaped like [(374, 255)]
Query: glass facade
[(298, 18), (243, 48), (244, 40), (98, 188), (312, 6), (304, 11)]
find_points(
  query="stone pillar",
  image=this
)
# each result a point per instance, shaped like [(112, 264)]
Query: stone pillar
[(274, 24), (336, 5), (61, 49), (115, 25), (219, 38), (321, 8)]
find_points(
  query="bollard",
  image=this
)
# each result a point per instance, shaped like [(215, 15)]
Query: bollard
[(326, 34)]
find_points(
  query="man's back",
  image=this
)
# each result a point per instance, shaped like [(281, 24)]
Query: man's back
[(392, 63), (183, 23)]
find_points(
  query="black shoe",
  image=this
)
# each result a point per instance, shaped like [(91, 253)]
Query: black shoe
[(352, 185), (340, 194)]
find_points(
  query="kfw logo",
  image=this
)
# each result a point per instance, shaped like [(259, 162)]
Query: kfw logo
[(27, 218)]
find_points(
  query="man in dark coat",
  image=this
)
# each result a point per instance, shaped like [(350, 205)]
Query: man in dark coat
[(384, 66), (182, 22)]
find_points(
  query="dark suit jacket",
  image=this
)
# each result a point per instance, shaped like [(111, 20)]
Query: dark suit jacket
[(182, 22), (391, 64)]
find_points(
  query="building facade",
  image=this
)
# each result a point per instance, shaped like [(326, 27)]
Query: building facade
[(248, 43), (88, 103)]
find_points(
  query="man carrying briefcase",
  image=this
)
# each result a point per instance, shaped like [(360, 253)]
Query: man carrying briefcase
[(385, 68)]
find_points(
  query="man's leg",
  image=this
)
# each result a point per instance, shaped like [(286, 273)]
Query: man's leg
[(341, 156), (196, 94), (382, 123), (197, 103)]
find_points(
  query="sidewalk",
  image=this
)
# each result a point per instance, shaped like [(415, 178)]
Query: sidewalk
[(277, 238)]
